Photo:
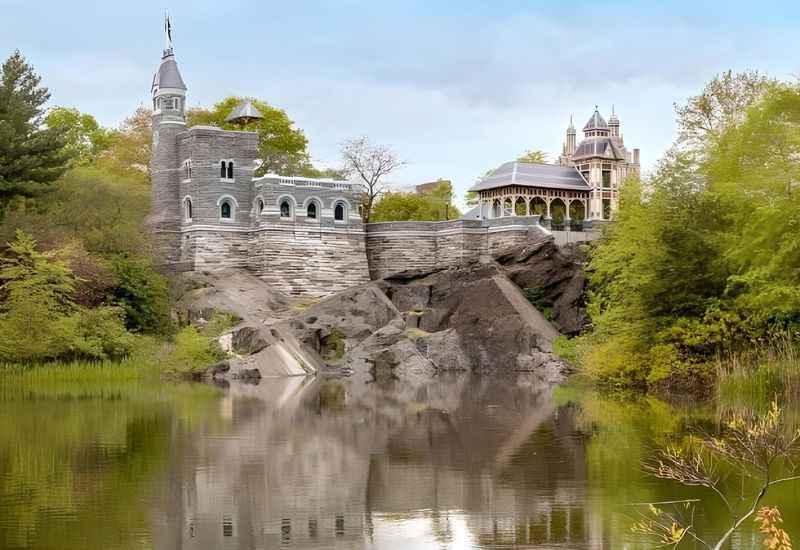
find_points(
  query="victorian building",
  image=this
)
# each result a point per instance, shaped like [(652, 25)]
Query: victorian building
[(583, 187)]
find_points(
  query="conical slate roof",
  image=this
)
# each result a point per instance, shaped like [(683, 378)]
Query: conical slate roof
[(168, 75), (596, 122), (245, 112)]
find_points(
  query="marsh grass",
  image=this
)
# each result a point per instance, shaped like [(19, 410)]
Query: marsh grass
[(750, 381)]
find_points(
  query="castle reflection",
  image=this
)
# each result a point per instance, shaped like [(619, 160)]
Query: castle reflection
[(458, 461)]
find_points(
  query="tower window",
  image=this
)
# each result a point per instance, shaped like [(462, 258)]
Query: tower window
[(225, 210), (286, 209), (187, 169), (187, 207), (226, 170), (311, 211), (338, 212), (260, 207)]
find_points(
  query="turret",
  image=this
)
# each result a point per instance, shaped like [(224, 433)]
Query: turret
[(613, 123), (169, 103), (571, 138)]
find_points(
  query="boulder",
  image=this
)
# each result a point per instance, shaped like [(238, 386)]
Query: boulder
[(552, 277)]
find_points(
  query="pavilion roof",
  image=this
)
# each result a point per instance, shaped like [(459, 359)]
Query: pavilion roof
[(547, 176)]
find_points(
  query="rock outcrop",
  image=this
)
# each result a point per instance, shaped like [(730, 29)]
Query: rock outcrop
[(478, 316)]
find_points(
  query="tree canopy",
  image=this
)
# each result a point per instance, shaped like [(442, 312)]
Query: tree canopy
[(434, 205), (32, 156), (282, 148), (704, 256), (534, 156)]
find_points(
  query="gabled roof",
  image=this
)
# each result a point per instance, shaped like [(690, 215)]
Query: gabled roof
[(598, 146), (168, 75), (244, 111), (596, 122), (547, 176)]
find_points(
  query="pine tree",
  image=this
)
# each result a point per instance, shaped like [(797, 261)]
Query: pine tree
[(31, 156)]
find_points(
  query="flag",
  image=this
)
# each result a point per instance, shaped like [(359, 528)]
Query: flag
[(168, 28)]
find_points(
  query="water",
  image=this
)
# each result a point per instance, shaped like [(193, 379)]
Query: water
[(458, 462)]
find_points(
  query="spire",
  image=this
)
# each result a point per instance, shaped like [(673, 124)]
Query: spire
[(613, 118), (571, 128)]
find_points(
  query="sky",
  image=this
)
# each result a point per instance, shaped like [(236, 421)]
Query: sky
[(454, 88)]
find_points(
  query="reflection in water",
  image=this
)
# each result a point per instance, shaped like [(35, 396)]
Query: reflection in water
[(345, 463), (456, 462)]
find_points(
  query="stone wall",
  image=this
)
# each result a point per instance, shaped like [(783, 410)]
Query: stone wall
[(309, 261), (397, 246)]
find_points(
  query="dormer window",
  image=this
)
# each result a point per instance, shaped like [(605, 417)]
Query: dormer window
[(226, 170)]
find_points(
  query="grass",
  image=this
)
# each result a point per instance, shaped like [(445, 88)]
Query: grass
[(752, 380)]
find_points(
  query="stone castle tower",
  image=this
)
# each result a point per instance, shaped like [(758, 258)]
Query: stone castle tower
[(602, 160)]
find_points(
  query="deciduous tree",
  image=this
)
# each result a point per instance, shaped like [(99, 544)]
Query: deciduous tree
[(370, 164)]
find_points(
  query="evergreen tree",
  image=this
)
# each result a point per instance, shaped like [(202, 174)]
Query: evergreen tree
[(31, 156)]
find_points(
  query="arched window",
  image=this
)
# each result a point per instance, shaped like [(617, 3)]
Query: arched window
[(311, 211), (230, 170), (225, 210), (222, 172), (260, 207), (187, 169), (338, 212), (187, 207), (286, 209)]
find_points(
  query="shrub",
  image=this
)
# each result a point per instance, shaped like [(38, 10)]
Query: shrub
[(100, 334), (192, 352), (142, 293)]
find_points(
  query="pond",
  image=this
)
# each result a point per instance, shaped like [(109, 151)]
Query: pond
[(457, 462)]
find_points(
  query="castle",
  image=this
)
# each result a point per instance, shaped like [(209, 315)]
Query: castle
[(306, 237)]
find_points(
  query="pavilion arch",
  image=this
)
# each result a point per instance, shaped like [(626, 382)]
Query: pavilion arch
[(538, 206), (520, 207), (558, 211), (496, 208), (508, 207), (577, 210)]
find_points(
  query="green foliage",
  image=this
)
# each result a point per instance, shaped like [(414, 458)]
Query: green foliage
[(192, 352), (142, 293), (219, 323), (84, 138), (566, 349), (434, 205), (282, 148), (534, 156), (31, 156), (704, 257), (39, 320)]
